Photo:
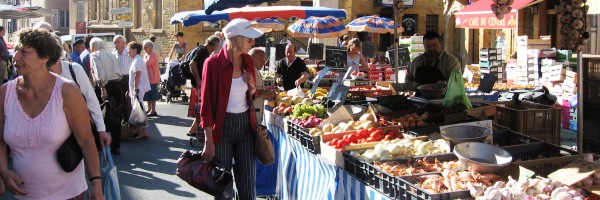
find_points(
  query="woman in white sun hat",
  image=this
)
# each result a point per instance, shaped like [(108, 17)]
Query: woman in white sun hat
[(225, 115)]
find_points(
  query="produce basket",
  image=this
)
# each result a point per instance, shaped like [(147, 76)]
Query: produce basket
[(407, 189), (532, 119), (384, 182)]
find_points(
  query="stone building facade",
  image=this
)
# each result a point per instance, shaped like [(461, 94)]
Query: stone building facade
[(151, 17)]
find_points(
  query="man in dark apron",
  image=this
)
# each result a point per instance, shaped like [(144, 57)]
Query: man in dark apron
[(433, 66)]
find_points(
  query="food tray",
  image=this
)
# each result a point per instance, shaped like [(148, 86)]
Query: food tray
[(406, 185), (384, 182)]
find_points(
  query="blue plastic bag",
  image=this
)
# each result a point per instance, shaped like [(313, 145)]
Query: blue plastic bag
[(108, 171)]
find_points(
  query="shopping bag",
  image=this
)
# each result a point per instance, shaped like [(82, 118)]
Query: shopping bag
[(210, 177), (456, 93), (108, 172), (137, 116)]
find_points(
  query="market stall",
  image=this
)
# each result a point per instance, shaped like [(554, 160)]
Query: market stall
[(391, 150)]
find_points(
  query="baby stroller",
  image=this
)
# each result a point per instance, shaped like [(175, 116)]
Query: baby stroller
[(173, 85)]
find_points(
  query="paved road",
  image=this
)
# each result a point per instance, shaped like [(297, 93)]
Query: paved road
[(146, 168)]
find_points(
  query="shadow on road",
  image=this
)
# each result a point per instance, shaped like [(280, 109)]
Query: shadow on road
[(150, 164)]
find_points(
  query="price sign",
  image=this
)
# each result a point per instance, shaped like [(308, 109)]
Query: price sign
[(336, 57)]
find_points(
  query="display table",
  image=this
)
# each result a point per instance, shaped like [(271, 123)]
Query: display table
[(303, 175)]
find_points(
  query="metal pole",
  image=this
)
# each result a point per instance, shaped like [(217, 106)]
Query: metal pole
[(395, 10), (580, 99)]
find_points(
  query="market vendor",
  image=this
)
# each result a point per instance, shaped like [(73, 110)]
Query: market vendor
[(291, 70), (433, 66), (356, 61)]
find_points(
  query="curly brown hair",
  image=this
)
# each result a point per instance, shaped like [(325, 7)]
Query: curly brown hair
[(43, 42)]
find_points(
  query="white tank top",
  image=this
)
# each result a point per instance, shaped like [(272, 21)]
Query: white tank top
[(237, 96), (354, 62)]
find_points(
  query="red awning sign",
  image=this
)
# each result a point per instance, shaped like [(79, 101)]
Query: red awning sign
[(488, 21), (480, 15)]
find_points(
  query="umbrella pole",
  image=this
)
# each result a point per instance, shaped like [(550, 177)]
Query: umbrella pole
[(395, 42)]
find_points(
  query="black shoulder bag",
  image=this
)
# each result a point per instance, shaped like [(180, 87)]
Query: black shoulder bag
[(69, 154)]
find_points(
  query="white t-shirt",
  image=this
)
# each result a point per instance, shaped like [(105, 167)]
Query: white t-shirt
[(237, 96), (138, 65), (285, 41)]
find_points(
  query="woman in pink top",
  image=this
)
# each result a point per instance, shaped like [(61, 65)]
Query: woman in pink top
[(151, 60), (38, 112)]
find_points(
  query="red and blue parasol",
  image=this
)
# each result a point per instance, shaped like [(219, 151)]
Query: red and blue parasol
[(320, 27), (190, 18), (373, 24)]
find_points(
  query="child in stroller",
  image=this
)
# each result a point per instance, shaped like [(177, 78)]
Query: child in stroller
[(172, 85)]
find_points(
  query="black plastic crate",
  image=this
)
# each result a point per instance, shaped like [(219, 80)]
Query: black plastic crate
[(312, 143), (408, 190), (355, 167), (384, 181), (509, 138), (538, 150)]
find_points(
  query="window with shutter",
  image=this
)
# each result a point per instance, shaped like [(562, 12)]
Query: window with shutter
[(54, 18), (80, 11)]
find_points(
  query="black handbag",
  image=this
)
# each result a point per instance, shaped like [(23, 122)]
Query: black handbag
[(210, 177), (69, 154)]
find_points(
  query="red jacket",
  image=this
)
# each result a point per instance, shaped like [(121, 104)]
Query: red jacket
[(217, 75)]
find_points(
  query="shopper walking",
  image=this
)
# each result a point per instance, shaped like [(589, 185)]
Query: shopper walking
[(122, 54), (139, 84), (39, 111), (107, 75), (157, 48), (224, 111), (151, 60), (197, 57)]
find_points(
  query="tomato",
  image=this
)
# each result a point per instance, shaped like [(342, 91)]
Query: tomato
[(376, 134), (372, 129), (328, 143), (388, 137), (369, 139), (364, 133), (335, 141), (352, 138)]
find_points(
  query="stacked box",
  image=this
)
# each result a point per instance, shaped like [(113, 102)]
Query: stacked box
[(381, 73), (552, 70), (491, 61), (569, 85)]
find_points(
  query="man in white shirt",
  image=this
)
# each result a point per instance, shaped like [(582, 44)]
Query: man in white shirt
[(122, 55), (285, 40), (107, 75)]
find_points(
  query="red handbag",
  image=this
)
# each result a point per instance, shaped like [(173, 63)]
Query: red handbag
[(210, 177)]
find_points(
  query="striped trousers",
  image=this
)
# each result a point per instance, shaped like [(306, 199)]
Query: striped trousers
[(237, 142)]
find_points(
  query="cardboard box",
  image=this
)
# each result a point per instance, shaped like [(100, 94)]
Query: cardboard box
[(574, 172), (569, 88), (570, 77)]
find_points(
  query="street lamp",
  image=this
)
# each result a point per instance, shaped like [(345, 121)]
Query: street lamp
[(534, 9)]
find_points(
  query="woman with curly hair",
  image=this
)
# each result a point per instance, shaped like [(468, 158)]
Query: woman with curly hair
[(38, 112)]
